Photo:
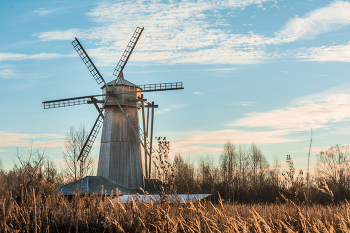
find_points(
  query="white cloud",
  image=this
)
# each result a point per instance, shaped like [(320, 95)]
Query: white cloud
[(194, 70), (243, 103), (8, 72), (197, 93), (205, 142), (303, 114), (174, 33), (171, 107), (338, 53), (314, 150), (43, 11), (188, 32), (215, 69), (331, 17), (39, 56), (69, 34), (9, 139), (236, 136)]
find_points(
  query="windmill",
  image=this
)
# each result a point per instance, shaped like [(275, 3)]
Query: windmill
[(122, 139)]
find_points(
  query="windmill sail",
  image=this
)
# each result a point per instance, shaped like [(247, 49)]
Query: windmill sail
[(126, 55), (161, 87), (91, 138), (68, 102), (87, 61)]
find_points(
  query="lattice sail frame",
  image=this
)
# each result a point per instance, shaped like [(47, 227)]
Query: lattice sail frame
[(91, 138), (127, 52), (68, 102), (87, 61)]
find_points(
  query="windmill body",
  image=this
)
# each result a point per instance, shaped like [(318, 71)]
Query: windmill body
[(120, 158)]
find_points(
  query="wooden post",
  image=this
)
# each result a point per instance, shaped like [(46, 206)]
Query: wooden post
[(150, 151), (147, 121), (144, 134)]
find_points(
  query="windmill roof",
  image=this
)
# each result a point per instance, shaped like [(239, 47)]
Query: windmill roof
[(94, 184), (100, 185), (121, 81)]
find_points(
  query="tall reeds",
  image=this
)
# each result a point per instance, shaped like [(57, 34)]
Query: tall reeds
[(56, 213)]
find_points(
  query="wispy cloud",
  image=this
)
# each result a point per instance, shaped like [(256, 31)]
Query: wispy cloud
[(9, 139), (303, 114), (69, 34), (9, 72), (339, 53), (197, 93), (204, 142), (236, 136), (194, 35), (192, 38), (43, 11), (331, 17), (171, 107), (39, 56), (194, 70), (314, 150), (242, 103)]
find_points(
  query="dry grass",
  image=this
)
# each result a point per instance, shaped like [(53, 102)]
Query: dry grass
[(56, 213)]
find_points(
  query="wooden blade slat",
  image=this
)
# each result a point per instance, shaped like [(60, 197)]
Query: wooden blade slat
[(68, 102)]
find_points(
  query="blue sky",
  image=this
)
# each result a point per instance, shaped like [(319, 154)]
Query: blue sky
[(253, 70)]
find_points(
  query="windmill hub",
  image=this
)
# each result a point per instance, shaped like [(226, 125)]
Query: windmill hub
[(124, 91)]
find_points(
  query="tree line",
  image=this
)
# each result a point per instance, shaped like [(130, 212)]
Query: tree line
[(243, 175), (34, 170)]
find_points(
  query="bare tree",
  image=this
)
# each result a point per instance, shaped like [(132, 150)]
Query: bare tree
[(184, 175), (29, 172), (229, 164), (74, 142), (334, 166), (162, 168), (29, 166), (51, 173), (208, 174), (258, 164), (243, 167), (275, 172)]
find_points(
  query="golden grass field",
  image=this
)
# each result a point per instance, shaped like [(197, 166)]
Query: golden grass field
[(56, 213)]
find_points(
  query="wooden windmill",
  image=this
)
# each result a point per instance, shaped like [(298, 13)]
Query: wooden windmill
[(122, 139)]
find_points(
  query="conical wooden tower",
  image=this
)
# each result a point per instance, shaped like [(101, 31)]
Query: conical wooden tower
[(120, 152)]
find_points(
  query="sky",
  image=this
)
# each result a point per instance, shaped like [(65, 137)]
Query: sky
[(254, 71)]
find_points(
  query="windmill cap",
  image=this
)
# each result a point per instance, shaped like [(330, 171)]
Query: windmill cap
[(121, 81)]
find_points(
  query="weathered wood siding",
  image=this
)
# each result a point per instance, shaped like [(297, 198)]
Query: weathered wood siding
[(123, 99), (120, 153)]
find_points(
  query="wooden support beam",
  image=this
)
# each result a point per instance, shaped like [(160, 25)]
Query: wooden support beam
[(147, 122), (144, 134), (150, 154), (151, 106), (137, 100), (93, 100)]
